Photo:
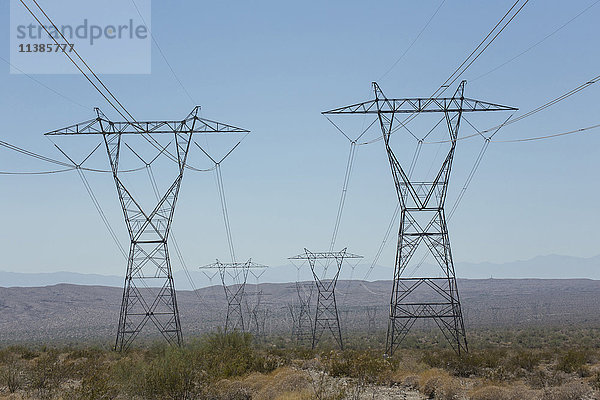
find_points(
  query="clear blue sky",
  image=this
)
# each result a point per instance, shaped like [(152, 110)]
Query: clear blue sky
[(272, 67)]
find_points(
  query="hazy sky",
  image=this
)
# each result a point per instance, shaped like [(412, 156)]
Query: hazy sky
[(272, 67)]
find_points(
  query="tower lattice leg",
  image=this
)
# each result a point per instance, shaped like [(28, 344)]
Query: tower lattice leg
[(149, 292)]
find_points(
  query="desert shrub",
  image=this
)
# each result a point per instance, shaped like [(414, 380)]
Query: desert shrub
[(542, 378), (86, 352), (356, 364), (512, 392), (524, 359), (438, 384), (465, 365), (96, 383), (571, 391), (595, 380), (326, 388), (22, 352), (282, 383), (12, 373), (491, 393), (170, 376), (229, 355), (411, 381), (571, 361), (230, 390), (46, 374)]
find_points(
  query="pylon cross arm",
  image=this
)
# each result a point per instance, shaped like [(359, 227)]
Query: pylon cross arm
[(190, 124), (418, 105)]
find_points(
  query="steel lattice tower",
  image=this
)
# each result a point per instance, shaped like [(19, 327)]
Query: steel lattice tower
[(326, 314), (148, 261), (422, 218), (300, 313), (235, 292)]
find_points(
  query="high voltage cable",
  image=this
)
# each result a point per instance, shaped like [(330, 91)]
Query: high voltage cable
[(121, 110), (100, 211), (462, 68), (57, 171), (33, 155), (414, 40), (552, 102), (348, 173), (538, 42), (221, 189), (164, 56), (172, 236), (133, 122), (68, 56), (528, 114), (43, 84), (455, 205), (548, 136), (95, 201), (41, 157), (466, 184), (388, 231), (458, 71)]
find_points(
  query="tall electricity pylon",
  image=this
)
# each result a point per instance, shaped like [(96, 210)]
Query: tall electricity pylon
[(148, 262), (233, 278), (300, 312), (422, 217), (326, 316)]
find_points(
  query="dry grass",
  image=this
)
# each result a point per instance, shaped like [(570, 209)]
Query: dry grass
[(283, 383), (513, 392), (439, 384)]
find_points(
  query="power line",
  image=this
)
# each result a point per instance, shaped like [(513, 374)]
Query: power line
[(548, 136), (34, 155), (122, 110), (221, 189), (388, 231), (538, 42), (471, 58), (462, 68), (347, 175), (172, 235), (164, 56), (528, 114), (414, 40), (457, 73), (100, 211), (43, 84), (57, 171)]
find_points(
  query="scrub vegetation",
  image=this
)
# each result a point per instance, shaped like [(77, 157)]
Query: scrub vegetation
[(550, 365)]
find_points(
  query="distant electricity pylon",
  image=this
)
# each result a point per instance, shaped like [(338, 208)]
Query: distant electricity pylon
[(233, 278), (326, 315), (300, 312), (422, 218), (148, 261)]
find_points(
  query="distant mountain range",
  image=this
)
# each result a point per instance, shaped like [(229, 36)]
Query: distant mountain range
[(542, 267), (76, 313)]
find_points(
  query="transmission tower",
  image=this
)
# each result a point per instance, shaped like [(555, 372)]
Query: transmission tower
[(300, 312), (148, 262), (422, 217), (326, 315), (371, 314), (233, 278), (259, 313)]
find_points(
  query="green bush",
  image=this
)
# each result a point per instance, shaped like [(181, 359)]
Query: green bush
[(172, 376), (524, 359), (571, 361)]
